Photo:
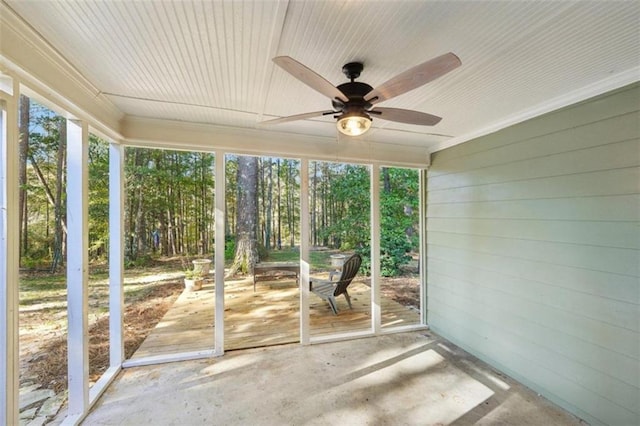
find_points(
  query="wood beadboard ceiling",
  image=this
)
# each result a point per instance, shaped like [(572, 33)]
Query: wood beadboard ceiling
[(210, 61)]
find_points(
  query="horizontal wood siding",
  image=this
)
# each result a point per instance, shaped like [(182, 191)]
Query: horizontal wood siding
[(534, 253)]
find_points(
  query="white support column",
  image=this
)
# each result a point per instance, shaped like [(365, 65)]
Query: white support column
[(77, 268), (423, 247), (304, 252), (9, 247), (376, 310), (116, 272), (219, 256), (116, 254)]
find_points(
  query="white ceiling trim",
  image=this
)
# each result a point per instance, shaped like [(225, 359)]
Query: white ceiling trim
[(179, 135), (611, 83)]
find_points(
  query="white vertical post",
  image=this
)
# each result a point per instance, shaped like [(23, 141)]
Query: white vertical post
[(304, 252), (116, 254), (376, 311), (219, 257), (77, 267), (9, 247), (423, 246)]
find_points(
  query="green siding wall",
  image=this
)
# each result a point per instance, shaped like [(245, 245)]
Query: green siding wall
[(534, 253)]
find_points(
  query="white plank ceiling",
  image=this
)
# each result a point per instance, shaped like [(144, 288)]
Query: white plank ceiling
[(210, 61)]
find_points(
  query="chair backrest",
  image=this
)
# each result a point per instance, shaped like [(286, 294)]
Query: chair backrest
[(349, 270)]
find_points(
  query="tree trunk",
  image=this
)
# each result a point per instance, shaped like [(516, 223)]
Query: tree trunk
[(59, 234), (290, 197), (172, 247), (314, 201), (325, 203), (262, 205), (267, 236), (24, 150), (139, 229), (140, 224), (386, 180), (279, 242), (246, 255), (203, 200)]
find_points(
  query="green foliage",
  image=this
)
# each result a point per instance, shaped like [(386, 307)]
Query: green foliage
[(350, 200), (349, 194), (35, 261), (399, 219), (139, 261), (395, 247), (229, 247), (263, 253), (193, 274), (99, 197), (169, 198)]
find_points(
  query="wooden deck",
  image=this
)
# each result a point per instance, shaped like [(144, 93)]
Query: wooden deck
[(269, 316)]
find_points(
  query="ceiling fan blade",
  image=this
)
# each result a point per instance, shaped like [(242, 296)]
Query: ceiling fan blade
[(297, 117), (309, 77), (413, 78), (406, 116)]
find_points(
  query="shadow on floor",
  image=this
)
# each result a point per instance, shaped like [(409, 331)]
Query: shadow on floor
[(407, 378)]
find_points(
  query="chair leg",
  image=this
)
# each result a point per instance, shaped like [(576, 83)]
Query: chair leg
[(346, 295), (332, 303)]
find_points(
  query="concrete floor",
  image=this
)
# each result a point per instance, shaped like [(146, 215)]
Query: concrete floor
[(413, 378)]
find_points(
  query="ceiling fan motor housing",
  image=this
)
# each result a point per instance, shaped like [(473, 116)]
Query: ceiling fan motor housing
[(355, 91), (352, 70)]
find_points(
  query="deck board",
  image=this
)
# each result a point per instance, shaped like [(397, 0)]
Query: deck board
[(269, 316)]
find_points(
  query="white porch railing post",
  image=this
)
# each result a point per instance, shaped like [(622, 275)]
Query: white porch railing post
[(116, 254), (9, 247), (376, 310), (77, 267)]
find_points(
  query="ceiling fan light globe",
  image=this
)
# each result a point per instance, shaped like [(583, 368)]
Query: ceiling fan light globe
[(353, 124)]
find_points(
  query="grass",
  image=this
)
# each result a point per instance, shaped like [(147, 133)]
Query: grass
[(42, 282), (320, 259), (39, 287)]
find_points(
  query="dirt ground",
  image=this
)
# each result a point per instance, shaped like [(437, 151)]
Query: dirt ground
[(405, 290)]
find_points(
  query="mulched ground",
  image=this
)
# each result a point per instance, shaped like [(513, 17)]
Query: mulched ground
[(404, 290), (49, 366)]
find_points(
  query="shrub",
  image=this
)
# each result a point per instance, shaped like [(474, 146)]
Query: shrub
[(229, 247)]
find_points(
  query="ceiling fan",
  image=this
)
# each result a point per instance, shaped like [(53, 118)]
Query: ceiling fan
[(354, 102)]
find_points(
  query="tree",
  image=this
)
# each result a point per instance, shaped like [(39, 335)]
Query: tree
[(269, 203), (292, 206), (340, 206), (98, 197), (350, 227), (168, 203), (279, 209), (399, 215), (22, 173), (59, 211), (246, 255)]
